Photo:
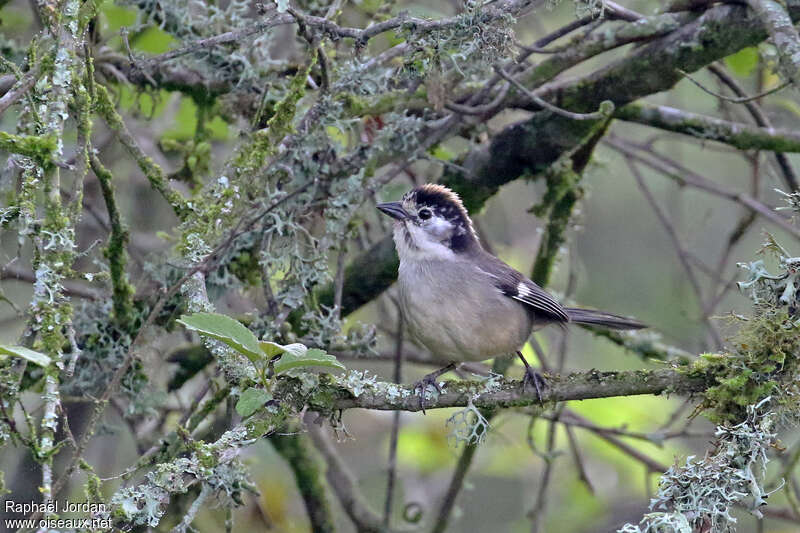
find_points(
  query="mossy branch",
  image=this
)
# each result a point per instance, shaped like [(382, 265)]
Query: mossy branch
[(738, 135), (116, 252), (644, 345), (152, 171), (40, 148), (563, 192)]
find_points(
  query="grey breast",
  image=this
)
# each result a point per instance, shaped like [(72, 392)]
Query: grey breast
[(455, 311)]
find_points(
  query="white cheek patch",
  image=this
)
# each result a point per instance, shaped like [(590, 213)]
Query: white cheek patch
[(414, 242), (439, 228)]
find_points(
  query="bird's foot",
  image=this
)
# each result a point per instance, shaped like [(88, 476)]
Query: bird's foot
[(538, 381), (430, 380), (532, 376)]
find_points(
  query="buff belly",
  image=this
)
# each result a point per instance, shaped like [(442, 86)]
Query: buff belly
[(448, 322)]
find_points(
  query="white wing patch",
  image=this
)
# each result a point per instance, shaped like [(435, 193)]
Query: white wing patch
[(539, 299), (523, 291)]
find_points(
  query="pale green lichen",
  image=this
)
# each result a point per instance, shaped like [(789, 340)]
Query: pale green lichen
[(469, 426), (215, 466), (357, 381), (701, 494)]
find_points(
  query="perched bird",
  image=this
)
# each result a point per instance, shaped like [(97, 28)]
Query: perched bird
[(458, 300)]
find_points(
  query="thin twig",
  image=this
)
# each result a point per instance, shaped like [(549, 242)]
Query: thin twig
[(338, 285), (760, 118), (577, 458), (597, 115), (456, 482), (536, 514), (741, 100), (344, 484), (391, 474), (676, 243), (686, 176)]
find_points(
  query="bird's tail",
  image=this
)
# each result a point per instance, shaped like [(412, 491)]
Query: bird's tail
[(591, 317)]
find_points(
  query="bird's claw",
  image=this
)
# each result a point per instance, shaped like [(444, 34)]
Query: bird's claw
[(421, 386), (539, 383)]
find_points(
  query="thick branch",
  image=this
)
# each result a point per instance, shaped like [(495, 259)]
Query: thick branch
[(719, 32)]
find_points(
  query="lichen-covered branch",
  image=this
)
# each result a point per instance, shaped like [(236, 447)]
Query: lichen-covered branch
[(700, 494), (509, 393), (784, 35), (738, 135), (214, 464)]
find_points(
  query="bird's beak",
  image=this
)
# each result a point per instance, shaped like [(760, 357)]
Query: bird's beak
[(394, 210)]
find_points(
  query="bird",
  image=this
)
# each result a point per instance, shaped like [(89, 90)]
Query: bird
[(461, 302)]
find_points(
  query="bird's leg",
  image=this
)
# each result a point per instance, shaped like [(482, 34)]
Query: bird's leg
[(532, 375), (431, 380)]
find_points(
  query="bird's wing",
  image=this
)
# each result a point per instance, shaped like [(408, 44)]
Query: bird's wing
[(515, 285)]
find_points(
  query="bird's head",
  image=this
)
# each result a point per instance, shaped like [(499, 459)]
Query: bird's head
[(431, 222)]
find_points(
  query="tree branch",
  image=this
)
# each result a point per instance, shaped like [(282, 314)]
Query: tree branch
[(784, 35), (296, 450), (116, 252), (154, 173), (585, 385), (345, 485), (761, 119), (736, 134)]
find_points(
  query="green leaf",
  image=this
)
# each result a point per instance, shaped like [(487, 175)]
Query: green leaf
[(225, 329), (743, 62), (310, 357), (251, 401), (271, 349), (25, 353)]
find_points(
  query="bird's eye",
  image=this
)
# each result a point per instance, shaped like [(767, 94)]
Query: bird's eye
[(425, 214)]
